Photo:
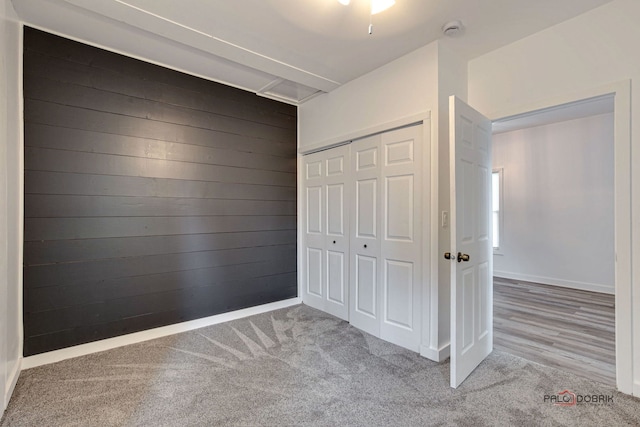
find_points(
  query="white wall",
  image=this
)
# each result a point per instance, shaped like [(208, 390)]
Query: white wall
[(402, 88), (10, 210), (558, 198), (593, 50), (3, 207)]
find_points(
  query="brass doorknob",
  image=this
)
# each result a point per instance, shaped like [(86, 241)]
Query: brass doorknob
[(463, 257), (447, 255)]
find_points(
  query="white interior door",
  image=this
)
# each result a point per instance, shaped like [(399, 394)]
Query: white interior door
[(471, 248), (365, 231), (400, 265)]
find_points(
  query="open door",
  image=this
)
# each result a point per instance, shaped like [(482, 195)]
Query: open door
[(471, 253)]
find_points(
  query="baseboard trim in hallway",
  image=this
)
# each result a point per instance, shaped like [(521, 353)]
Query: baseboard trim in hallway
[(136, 337), (570, 329)]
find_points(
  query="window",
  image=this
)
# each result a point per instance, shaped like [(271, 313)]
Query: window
[(496, 207)]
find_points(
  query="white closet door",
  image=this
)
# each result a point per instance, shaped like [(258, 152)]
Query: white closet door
[(325, 222), (362, 234), (313, 226), (365, 235), (336, 277), (386, 232), (400, 262)]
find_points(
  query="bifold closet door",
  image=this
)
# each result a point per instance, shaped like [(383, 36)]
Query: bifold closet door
[(365, 235), (401, 235), (313, 188), (326, 229), (337, 232), (386, 235)]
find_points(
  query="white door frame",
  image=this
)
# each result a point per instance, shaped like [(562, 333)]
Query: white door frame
[(624, 321)]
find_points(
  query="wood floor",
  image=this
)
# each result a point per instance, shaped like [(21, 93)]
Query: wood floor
[(566, 328)]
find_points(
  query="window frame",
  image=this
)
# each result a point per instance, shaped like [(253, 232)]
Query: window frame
[(500, 171)]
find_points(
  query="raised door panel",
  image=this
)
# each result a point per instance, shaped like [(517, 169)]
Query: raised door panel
[(336, 277), (314, 210), (366, 286), (399, 208), (400, 151), (466, 182), (314, 272), (336, 163), (367, 208), (367, 159), (398, 293), (483, 302), (336, 210), (467, 302), (313, 169)]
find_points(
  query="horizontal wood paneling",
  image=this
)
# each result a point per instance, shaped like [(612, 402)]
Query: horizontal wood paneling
[(55, 92), (45, 136), (225, 301), (93, 228), (37, 182), (47, 113), (43, 65), (50, 321), (94, 271), (55, 206), (44, 159), (151, 197), (49, 298), (61, 251)]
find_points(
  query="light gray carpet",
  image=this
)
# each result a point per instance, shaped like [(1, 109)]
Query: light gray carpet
[(296, 366)]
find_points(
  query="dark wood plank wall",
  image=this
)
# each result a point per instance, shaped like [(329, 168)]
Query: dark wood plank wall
[(151, 196)]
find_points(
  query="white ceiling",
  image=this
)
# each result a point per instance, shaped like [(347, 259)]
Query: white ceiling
[(290, 49)]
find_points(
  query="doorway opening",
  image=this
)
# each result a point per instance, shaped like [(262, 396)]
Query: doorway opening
[(554, 218)]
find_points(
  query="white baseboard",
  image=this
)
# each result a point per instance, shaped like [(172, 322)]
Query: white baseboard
[(435, 354), (584, 286), (136, 337)]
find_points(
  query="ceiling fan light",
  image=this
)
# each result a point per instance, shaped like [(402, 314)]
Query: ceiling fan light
[(378, 6), (344, 2)]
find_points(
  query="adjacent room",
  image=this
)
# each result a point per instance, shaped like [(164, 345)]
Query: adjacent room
[(553, 237), (330, 212)]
